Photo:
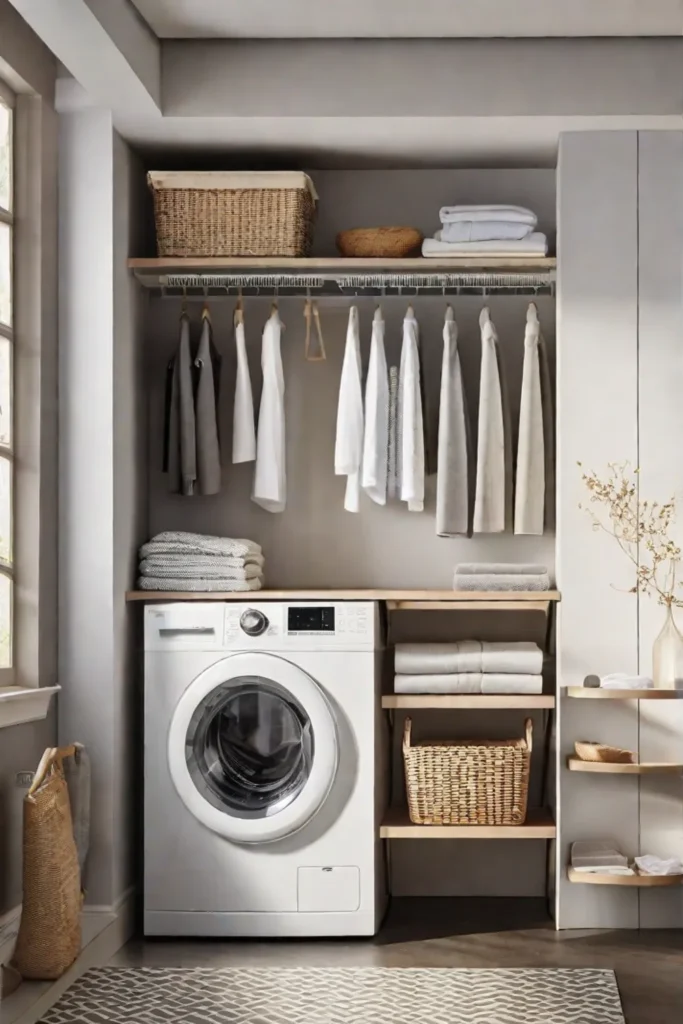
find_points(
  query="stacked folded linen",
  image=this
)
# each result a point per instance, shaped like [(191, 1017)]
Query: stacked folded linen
[(468, 666), (495, 230), (599, 857), (623, 681), (500, 576), (194, 562)]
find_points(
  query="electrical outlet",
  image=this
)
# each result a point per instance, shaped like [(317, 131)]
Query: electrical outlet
[(24, 780)]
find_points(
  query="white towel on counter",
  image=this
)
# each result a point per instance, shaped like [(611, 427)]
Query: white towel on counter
[(648, 864), (623, 681), (468, 682), (207, 364), (184, 543), (535, 471), (243, 426), (535, 244), (498, 582), (493, 491), (376, 436), (201, 562), (410, 417), (516, 657), (482, 212), (270, 473), (348, 448), (164, 583), (599, 856), (179, 570), (482, 231), (455, 463)]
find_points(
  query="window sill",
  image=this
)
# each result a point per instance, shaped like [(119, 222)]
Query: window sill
[(19, 704)]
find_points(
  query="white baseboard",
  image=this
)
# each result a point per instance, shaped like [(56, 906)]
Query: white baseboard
[(110, 928)]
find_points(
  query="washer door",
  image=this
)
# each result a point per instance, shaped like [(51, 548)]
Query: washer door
[(252, 748)]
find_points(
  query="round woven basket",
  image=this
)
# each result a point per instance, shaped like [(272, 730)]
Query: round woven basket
[(601, 752), (390, 243)]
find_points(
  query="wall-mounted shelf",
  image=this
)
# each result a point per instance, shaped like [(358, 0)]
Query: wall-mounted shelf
[(397, 599), (639, 881), (334, 276), (596, 693), (575, 764), (397, 825), (466, 701)]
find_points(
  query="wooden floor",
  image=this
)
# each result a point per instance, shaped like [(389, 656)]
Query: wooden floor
[(463, 933)]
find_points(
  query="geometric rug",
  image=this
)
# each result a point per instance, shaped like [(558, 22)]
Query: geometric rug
[(345, 995)]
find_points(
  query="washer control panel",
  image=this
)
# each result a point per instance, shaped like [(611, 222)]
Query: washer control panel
[(310, 625)]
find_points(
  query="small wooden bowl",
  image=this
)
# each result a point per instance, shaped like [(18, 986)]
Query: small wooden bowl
[(390, 243), (601, 752)]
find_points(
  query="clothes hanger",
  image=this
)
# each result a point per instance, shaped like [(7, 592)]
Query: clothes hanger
[(183, 307), (311, 311)]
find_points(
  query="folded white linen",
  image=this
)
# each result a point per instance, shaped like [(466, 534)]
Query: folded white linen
[(651, 865), (623, 681), (180, 571), (520, 657), (590, 856), (181, 542), (500, 568), (482, 231), (467, 682), (201, 562), (498, 582), (483, 212), (535, 244), (163, 583)]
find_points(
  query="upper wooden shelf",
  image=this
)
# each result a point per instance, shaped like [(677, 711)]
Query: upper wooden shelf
[(192, 264), (397, 599), (597, 693)]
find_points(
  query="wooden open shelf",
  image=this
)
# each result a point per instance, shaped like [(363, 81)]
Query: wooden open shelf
[(192, 264), (397, 825), (638, 881), (575, 764), (596, 693), (396, 599), (466, 701)]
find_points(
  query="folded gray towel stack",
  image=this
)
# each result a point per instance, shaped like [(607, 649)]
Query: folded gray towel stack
[(177, 561), (500, 576), (468, 666)]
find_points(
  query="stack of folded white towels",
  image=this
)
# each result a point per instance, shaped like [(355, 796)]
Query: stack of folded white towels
[(195, 562), (468, 666), (504, 576), (486, 231)]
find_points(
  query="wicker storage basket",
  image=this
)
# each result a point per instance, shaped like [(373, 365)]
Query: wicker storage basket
[(467, 782), (225, 213)]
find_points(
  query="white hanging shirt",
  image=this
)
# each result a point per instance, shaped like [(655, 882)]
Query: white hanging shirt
[(376, 438), (535, 445), (348, 449), (491, 493), (243, 428), (270, 478), (411, 442)]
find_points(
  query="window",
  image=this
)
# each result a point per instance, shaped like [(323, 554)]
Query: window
[(6, 380)]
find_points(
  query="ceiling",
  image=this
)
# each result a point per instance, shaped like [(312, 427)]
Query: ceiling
[(302, 19)]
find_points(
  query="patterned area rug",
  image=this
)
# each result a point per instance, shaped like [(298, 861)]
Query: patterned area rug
[(171, 995)]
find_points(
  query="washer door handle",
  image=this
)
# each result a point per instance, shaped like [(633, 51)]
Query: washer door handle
[(188, 631)]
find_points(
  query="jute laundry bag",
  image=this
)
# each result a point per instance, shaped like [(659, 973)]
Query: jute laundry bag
[(50, 930)]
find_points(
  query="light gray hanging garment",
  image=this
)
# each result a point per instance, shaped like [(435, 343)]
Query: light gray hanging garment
[(493, 493), (453, 484), (531, 455), (182, 442), (208, 448), (411, 447), (270, 471), (393, 482), (376, 436), (243, 426)]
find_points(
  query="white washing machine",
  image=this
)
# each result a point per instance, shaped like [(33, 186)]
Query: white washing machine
[(264, 780)]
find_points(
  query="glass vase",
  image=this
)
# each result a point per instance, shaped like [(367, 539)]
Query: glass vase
[(667, 656)]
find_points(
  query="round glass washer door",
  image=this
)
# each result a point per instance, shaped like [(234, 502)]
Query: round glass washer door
[(252, 748)]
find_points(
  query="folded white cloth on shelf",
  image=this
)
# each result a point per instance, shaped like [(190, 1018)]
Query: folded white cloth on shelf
[(202, 562), (651, 865), (623, 681), (501, 212), (243, 426), (181, 571), (493, 490), (483, 231), (270, 472), (535, 244), (183, 543), (467, 682), (411, 442), (454, 478), (376, 436), (599, 857), (499, 582), (517, 657), (348, 448), (500, 569), (535, 482), (198, 585)]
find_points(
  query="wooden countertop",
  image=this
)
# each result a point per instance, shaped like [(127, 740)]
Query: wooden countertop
[(444, 597)]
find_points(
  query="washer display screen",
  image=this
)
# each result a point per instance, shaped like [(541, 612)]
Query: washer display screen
[(310, 620)]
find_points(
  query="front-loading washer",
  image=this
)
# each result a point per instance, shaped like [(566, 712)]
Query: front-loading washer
[(264, 769)]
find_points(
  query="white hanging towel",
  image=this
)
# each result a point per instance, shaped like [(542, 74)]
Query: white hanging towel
[(454, 457), (411, 449), (243, 428), (493, 493), (348, 449), (270, 479), (207, 366), (376, 439), (533, 501)]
